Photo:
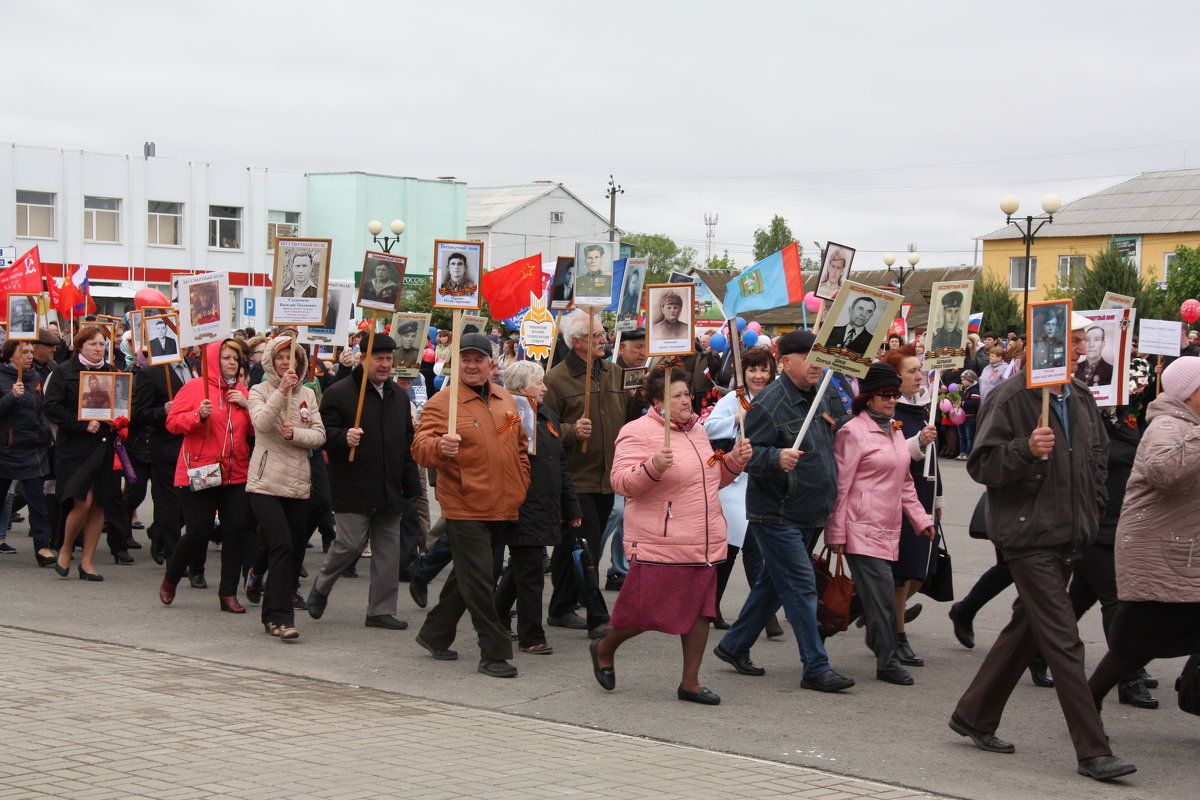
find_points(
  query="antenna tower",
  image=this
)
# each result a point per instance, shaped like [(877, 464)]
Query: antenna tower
[(710, 225)]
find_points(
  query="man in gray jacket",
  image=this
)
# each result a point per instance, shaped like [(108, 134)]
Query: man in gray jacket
[(1046, 492)]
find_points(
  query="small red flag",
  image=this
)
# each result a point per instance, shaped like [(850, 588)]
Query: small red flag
[(507, 288)]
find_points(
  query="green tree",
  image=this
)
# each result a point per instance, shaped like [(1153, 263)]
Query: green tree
[(998, 305), (720, 262), (663, 254), (1110, 271), (776, 237), (1183, 281)]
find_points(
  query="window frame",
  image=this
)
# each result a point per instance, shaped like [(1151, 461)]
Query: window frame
[(557, 217), (273, 233), (27, 204), (214, 227), (152, 222), (92, 216), (1014, 261), (1068, 278)]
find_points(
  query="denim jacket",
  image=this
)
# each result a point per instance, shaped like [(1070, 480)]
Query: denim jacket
[(805, 495)]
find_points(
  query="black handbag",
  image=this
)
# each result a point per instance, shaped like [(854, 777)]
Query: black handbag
[(1188, 686), (939, 586), (977, 527)]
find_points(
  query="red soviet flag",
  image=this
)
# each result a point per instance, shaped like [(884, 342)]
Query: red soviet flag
[(507, 289), (23, 277)]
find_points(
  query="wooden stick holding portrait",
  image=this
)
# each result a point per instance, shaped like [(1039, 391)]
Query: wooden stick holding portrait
[(739, 386), (362, 387), (455, 335)]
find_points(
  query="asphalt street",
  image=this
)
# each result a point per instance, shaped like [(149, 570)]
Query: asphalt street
[(876, 731)]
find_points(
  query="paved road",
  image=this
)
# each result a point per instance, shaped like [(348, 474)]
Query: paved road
[(878, 732)]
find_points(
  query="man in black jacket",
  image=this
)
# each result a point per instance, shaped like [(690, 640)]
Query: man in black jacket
[(369, 492)]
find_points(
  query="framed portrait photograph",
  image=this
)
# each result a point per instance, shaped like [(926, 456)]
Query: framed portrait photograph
[(160, 337), (1048, 344), (98, 396), (1108, 345), (410, 332), (204, 312), (528, 416), (123, 395), (382, 281), (857, 324), (23, 317), (173, 292), (629, 306), (1114, 300), (339, 313), (456, 270), (473, 323), (670, 329), (835, 268), (633, 378), (594, 273), (562, 291), (135, 329), (300, 281), (946, 338)]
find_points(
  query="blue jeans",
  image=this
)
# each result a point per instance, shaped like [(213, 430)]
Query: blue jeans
[(35, 499), (966, 436), (615, 527), (786, 580)]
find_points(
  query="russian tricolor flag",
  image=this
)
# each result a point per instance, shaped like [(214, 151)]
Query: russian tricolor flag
[(773, 282), (975, 322)]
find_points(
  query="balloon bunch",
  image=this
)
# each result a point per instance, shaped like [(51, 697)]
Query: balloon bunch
[(749, 334)]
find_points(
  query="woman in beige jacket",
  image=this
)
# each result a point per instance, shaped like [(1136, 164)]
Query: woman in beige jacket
[(1158, 541), (286, 427)]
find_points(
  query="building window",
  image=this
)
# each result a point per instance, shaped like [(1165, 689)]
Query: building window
[(1016, 273), (281, 225), (1071, 269), (101, 219), (164, 223), (1168, 260), (35, 214), (556, 216), (225, 227)]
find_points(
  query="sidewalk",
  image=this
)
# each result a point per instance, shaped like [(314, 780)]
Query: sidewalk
[(91, 721)]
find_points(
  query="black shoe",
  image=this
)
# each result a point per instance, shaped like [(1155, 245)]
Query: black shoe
[(1147, 681), (964, 630), (88, 576), (133, 544), (419, 591), (605, 676), (198, 581), (440, 655), (614, 582), (773, 629), (381, 621), (1104, 768), (350, 572), (719, 623), (742, 664), (497, 669), (982, 740), (913, 611), (907, 657), (1134, 693), (254, 587), (898, 676), (828, 681), (156, 552), (316, 603), (122, 557), (303, 572), (1040, 674), (298, 602), (703, 697), (138, 526), (45, 561), (571, 620)]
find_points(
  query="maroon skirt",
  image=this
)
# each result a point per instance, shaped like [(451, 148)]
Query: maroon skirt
[(665, 597)]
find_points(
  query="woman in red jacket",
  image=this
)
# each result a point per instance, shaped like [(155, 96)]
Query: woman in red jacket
[(674, 531), (211, 413)]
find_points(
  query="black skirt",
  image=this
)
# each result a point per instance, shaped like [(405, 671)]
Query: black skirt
[(95, 474), (1151, 629)]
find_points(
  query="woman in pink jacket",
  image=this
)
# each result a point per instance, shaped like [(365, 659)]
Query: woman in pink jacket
[(865, 524), (674, 531)]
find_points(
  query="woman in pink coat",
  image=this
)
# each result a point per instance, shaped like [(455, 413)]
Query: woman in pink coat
[(873, 471), (674, 531)]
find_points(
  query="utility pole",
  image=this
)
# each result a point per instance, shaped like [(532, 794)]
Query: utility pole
[(611, 194), (710, 225)]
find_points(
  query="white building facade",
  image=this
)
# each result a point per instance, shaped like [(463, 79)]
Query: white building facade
[(515, 222)]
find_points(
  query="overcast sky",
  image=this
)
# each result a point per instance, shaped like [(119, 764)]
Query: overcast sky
[(875, 124)]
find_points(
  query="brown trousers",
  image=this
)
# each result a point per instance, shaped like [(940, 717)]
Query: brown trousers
[(1043, 621)]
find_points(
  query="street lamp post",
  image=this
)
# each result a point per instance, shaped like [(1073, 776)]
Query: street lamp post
[(1009, 204), (375, 227), (900, 272)]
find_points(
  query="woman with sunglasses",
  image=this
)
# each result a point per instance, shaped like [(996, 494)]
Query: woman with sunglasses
[(873, 470)]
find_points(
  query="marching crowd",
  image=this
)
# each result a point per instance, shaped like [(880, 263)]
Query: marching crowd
[(540, 470)]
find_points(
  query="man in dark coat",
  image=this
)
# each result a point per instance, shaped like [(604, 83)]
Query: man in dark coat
[(369, 492)]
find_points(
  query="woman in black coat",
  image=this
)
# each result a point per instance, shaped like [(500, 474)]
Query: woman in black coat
[(25, 442), (549, 502), (83, 454)]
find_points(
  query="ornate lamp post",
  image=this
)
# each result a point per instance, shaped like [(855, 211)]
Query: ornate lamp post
[(1009, 204), (902, 273), (386, 243)]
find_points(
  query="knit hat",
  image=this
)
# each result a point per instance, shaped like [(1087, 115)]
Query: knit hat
[(1181, 378), (879, 376), (795, 342)]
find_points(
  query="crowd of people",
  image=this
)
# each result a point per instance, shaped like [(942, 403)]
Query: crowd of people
[(538, 469)]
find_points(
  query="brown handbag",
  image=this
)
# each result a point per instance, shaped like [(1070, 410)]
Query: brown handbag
[(834, 590)]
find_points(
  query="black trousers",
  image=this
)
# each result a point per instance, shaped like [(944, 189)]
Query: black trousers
[(522, 582), (1043, 620), (751, 564), (199, 508), (134, 493), (567, 592), (281, 522), (426, 566), (469, 589)]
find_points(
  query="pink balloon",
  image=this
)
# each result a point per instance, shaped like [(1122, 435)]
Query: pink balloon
[(754, 326), (150, 297), (945, 406), (812, 303)]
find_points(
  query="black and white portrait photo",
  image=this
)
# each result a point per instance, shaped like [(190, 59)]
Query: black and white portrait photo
[(457, 268), (629, 306), (593, 274), (562, 292), (1107, 353), (946, 339), (1048, 344), (670, 315), (382, 281), (22, 317), (299, 281), (855, 329), (835, 267), (161, 337), (409, 330)]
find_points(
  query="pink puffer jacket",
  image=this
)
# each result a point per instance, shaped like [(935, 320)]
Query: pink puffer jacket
[(873, 474), (675, 517)]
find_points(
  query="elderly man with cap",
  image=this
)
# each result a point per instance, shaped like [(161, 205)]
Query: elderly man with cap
[(483, 476), (789, 496), (43, 353), (1046, 493), (950, 332), (369, 492)]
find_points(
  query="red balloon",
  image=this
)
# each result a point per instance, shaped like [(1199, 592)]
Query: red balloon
[(1190, 310), (150, 297)]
